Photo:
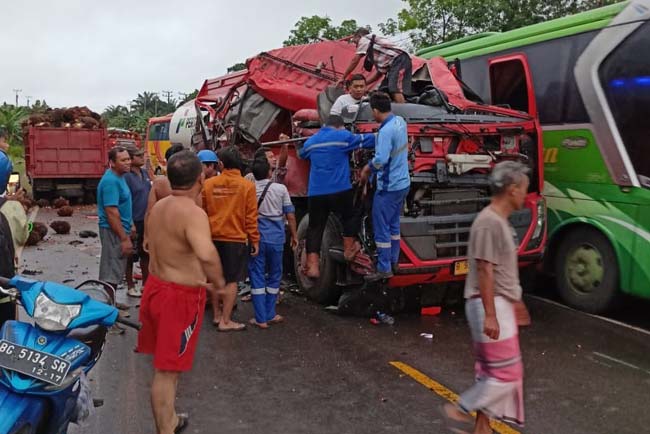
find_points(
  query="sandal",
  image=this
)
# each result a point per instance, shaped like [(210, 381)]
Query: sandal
[(183, 422), (277, 319), (455, 425), (239, 328), (254, 322)]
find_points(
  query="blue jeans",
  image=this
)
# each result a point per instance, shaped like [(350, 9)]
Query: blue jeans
[(386, 210), (265, 273)]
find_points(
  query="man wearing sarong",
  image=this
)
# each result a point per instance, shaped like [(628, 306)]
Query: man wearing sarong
[(492, 291)]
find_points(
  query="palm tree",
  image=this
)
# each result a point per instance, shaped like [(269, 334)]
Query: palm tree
[(146, 102), (113, 111), (10, 119)]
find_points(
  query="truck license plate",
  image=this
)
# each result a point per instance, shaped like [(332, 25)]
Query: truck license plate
[(33, 363), (461, 268)]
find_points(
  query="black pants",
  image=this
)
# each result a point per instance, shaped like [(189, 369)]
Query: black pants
[(391, 80), (341, 203)]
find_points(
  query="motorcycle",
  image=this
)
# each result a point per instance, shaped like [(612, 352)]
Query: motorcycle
[(43, 383)]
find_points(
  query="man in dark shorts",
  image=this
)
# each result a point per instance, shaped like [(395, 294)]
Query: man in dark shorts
[(183, 262), (115, 217), (140, 186), (231, 204)]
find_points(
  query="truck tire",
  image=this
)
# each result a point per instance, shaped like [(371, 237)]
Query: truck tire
[(323, 290), (586, 270)]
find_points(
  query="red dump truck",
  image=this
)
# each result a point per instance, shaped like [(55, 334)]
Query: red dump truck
[(65, 162)]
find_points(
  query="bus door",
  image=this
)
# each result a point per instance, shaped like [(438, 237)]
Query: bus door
[(511, 83)]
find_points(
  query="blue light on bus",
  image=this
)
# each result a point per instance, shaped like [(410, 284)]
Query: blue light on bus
[(633, 82), (642, 81)]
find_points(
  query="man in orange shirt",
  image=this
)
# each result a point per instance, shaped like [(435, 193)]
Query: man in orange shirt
[(231, 204)]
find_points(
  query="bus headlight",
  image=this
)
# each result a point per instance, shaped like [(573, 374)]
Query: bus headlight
[(540, 226)]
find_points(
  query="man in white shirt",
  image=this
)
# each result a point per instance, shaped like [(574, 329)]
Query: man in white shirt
[(356, 87), (387, 59)]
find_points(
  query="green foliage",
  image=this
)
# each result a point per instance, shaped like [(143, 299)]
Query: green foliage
[(10, 119), (312, 29), (429, 22), (236, 67)]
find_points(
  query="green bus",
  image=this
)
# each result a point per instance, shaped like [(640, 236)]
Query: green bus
[(587, 78)]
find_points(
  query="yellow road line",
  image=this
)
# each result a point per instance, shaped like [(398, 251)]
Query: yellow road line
[(444, 392)]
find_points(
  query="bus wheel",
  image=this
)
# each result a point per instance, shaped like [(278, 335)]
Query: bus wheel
[(587, 271), (324, 289)]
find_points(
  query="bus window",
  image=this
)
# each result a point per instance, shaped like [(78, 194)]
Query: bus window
[(625, 77), (511, 85)]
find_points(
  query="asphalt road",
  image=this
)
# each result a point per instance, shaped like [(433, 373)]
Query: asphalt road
[(322, 373)]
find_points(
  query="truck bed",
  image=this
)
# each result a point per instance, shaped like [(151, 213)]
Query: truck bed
[(66, 153)]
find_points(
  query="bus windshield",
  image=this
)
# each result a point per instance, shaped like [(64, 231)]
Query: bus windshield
[(625, 76), (159, 131)]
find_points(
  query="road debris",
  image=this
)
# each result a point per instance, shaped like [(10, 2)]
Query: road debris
[(41, 228), (87, 234), (65, 211), (60, 227), (60, 203)]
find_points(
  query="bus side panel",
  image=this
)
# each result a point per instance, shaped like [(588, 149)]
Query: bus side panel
[(599, 205), (640, 284)]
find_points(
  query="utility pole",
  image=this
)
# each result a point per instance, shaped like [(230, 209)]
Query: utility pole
[(28, 98), (183, 95), (168, 94), (17, 91)]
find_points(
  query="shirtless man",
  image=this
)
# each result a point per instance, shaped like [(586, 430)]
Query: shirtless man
[(160, 187), (183, 262)]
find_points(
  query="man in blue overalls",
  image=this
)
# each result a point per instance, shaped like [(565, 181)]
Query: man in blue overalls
[(390, 165)]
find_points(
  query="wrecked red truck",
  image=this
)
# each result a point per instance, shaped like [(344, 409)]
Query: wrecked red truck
[(454, 141)]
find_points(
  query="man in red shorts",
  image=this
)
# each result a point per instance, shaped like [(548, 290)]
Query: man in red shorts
[(183, 261)]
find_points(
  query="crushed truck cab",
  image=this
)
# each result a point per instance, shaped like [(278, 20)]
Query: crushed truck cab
[(454, 142)]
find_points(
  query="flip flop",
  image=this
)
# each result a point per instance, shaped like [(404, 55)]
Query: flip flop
[(246, 298), (183, 422), (241, 328), (454, 425), (277, 320), (253, 322)]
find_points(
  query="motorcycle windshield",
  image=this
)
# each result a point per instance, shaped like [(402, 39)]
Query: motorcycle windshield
[(92, 312)]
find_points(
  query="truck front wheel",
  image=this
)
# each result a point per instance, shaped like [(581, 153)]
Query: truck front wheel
[(324, 289), (587, 270)]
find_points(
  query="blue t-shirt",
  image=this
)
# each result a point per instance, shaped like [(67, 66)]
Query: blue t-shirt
[(5, 171), (140, 188), (113, 191)]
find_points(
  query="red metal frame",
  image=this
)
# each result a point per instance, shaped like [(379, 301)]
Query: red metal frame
[(521, 57)]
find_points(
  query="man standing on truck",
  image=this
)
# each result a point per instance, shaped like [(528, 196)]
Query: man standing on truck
[(140, 185), (391, 167), (493, 296), (356, 87), (231, 204), (5, 163), (387, 59), (330, 189), (183, 261), (115, 217)]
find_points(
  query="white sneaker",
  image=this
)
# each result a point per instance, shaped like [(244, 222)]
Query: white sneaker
[(134, 292)]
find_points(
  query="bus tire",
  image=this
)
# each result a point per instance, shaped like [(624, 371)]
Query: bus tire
[(324, 289), (587, 273)]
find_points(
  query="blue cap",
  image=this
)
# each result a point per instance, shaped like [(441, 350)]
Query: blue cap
[(207, 156)]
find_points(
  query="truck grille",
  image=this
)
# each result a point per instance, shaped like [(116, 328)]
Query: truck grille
[(440, 237)]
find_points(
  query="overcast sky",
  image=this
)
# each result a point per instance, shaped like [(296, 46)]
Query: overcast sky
[(71, 53)]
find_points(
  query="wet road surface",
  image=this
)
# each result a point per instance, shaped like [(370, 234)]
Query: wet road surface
[(322, 373)]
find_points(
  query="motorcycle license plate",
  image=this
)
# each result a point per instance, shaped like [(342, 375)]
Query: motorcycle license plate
[(33, 363), (461, 268)]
